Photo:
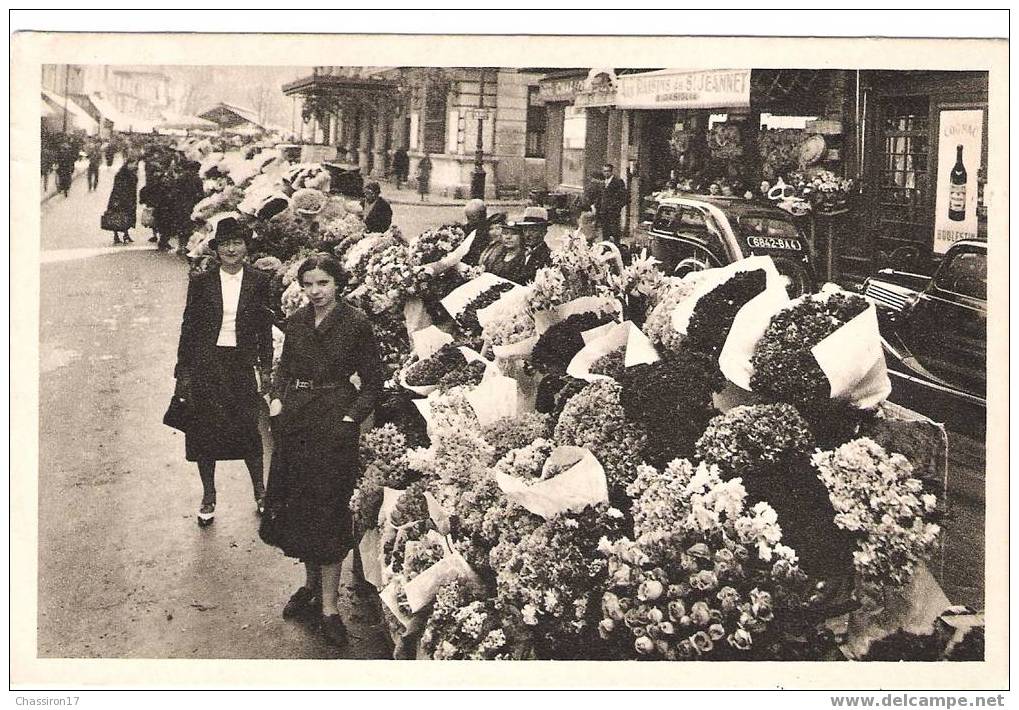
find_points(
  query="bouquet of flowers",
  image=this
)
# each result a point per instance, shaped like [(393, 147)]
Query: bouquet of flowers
[(464, 625), (554, 391), (553, 578), (434, 246), (761, 438), (548, 480), (384, 456), (392, 278), (594, 419), (576, 270), (223, 201), (714, 312), (615, 346), (467, 375), (341, 230), (426, 372), (356, 258), (658, 325), (563, 340), (642, 277), (515, 432), (283, 236), (671, 400), (610, 364), (468, 317), (876, 497), (706, 576)]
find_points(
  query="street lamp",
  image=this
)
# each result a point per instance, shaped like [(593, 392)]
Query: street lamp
[(478, 177)]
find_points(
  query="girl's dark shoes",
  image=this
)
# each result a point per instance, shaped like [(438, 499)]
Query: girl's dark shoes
[(334, 630), (304, 603), (206, 515)]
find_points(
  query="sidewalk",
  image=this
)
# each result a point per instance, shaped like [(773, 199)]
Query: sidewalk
[(80, 168), (408, 196)]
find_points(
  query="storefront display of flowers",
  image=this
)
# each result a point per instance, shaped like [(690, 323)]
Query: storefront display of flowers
[(554, 475)]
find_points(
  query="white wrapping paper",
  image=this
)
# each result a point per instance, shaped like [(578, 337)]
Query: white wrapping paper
[(437, 513), (428, 341), (370, 562), (581, 485), (459, 298), (854, 363), (747, 328), (495, 398), (639, 350), (514, 298), (415, 316), (514, 351), (713, 278), (388, 597), (543, 320), (422, 589), (389, 498), (453, 258)]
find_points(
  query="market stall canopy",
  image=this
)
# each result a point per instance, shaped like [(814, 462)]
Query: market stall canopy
[(227, 115), (77, 117), (685, 89), (121, 121), (181, 122)]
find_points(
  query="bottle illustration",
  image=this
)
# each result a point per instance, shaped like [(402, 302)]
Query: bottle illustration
[(957, 189)]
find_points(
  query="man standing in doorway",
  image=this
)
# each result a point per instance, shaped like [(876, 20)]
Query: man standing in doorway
[(611, 200)]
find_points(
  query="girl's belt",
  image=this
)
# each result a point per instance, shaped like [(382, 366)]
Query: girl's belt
[(314, 385)]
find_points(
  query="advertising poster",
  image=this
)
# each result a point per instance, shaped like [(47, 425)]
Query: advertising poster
[(960, 141)]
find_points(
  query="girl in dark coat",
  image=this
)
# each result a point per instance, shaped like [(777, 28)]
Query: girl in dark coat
[(124, 200), (315, 459), (225, 334)]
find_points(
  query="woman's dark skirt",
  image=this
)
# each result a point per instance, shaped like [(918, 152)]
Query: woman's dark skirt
[(225, 397)]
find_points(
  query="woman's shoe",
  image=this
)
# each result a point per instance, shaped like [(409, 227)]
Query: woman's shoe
[(304, 602), (206, 515), (334, 630), (128, 240), (260, 508)]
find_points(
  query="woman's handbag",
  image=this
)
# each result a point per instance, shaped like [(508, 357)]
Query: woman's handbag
[(147, 216), (113, 221), (179, 414)]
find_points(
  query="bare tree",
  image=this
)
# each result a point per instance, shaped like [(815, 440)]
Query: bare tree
[(261, 100)]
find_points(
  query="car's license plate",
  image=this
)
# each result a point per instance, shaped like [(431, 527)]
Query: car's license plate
[(774, 243)]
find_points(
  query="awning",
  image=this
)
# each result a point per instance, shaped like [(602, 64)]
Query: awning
[(182, 122), (77, 117), (684, 88)]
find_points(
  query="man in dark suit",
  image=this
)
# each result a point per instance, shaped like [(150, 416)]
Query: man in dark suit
[(610, 201), (378, 215), (534, 225)]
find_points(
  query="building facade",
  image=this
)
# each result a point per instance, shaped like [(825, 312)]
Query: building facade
[(361, 116)]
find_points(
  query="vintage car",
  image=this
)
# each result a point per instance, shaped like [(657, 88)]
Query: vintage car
[(934, 332), (696, 232)]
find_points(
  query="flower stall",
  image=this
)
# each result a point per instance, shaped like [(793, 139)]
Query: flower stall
[(608, 466)]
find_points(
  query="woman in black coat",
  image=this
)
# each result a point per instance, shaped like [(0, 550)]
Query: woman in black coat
[(226, 333), (123, 204), (315, 459)]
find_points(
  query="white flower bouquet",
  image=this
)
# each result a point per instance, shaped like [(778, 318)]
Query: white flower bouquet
[(549, 481)]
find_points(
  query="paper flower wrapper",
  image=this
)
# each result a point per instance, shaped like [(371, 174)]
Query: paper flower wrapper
[(747, 328), (437, 513), (389, 498), (415, 316), (495, 398), (421, 590), (543, 320), (579, 486), (388, 597), (514, 298), (639, 350), (452, 258), (516, 351), (425, 390), (370, 559), (712, 278), (428, 341), (854, 363), (461, 296)]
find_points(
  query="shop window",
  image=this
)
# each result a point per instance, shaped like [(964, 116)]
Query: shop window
[(537, 120), (902, 173), (435, 120), (574, 142)]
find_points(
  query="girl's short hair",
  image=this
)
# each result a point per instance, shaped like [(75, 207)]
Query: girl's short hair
[(328, 264)]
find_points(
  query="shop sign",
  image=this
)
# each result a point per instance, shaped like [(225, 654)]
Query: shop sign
[(599, 89), (960, 144), (677, 88), (557, 90)]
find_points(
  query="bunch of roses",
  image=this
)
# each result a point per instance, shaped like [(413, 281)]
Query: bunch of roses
[(392, 278), (760, 438), (467, 375), (610, 364), (384, 456), (557, 345), (464, 625), (714, 312), (515, 432), (433, 368), (554, 579), (658, 325), (468, 317), (576, 270), (435, 244), (876, 497), (594, 419), (672, 400), (509, 325), (784, 369)]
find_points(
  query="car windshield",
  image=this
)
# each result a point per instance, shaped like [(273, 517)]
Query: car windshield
[(965, 274), (756, 226)]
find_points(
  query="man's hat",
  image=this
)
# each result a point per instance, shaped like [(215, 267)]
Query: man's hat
[(228, 225), (536, 216)]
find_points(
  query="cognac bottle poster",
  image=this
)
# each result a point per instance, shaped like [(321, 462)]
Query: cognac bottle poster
[(960, 139)]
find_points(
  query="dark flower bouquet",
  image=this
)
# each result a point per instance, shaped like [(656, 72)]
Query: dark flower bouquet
[(432, 369), (784, 369), (757, 439), (714, 312), (557, 345), (672, 400), (467, 375), (610, 364), (468, 317), (554, 391)]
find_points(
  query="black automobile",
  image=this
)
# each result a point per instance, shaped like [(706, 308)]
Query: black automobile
[(934, 331), (696, 232)]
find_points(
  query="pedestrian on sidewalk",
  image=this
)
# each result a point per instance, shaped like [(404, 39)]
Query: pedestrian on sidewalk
[(122, 206), (47, 159), (95, 159), (378, 215), (225, 334), (424, 176), (401, 166), (187, 193), (67, 156), (315, 461), (611, 199), (110, 149)]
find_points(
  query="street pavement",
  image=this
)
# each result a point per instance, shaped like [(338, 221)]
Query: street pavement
[(124, 571)]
